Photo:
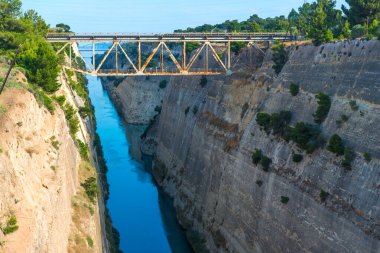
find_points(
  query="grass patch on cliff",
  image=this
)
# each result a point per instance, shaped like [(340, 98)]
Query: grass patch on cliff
[(83, 149), (10, 225), (42, 98), (90, 242), (54, 142), (3, 109), (90, 186), (72, 119)]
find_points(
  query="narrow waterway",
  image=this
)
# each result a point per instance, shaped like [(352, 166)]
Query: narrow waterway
[(142, 214)]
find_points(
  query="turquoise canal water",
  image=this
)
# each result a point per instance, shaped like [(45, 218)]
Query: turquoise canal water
[(142, 214)]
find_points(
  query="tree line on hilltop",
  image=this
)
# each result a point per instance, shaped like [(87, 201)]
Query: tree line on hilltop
[(320, 21)]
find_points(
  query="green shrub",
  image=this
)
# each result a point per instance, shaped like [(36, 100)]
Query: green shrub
[(163, 84), (42, 98), (358, 31), (187, 110), (367, 157), (336, 145), (284, 199), (54, 142), (279, 122), (191, 46), (39, 59), (354, 105), (72, 119), (195, 110), (324, 104), (85, 112), (294, 89), (91, 188), (236, 47), (91, 210), (263, 119), (323, 195), (265, 162), (3, 109), (48, 103), (349, 156), (83, 149), (259, 183), (90, 242), (280, 56), (256, 156), (60, 100), (297, 158), (343, 119), (10, 225), (307, 136), (203, 81)]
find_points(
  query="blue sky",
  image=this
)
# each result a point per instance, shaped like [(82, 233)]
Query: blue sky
[(153, 15)]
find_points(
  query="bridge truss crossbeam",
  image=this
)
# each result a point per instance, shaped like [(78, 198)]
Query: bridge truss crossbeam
[(119, 43)]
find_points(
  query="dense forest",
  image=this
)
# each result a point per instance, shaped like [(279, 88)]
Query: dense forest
[(320, 21), (27, 30)]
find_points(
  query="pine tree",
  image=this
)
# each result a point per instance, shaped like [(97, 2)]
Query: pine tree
[(362, 11), (346, 31)]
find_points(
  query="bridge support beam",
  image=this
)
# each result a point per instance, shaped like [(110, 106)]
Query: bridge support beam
[(139, 56), (184, 55), (93, 56), (229, 55)]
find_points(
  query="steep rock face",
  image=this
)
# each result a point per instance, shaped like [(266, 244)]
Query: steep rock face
[(38, 181), (205, 138), (137, 98)]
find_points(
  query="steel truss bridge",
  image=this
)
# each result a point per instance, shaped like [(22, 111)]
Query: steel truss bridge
[(207, 43)]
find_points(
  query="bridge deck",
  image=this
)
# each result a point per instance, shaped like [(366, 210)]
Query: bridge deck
[(169, 37)]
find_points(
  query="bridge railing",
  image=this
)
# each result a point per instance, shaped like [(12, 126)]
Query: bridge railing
[(72, 34)]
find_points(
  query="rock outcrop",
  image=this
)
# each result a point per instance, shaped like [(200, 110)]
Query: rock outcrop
[(205, 136)]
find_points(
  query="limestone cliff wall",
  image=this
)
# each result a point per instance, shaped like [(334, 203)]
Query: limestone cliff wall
[(37, 180), (136, 98), (205, 138), (40, 175)]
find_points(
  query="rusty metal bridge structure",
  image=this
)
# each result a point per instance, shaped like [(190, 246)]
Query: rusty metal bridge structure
[(216, 44)]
